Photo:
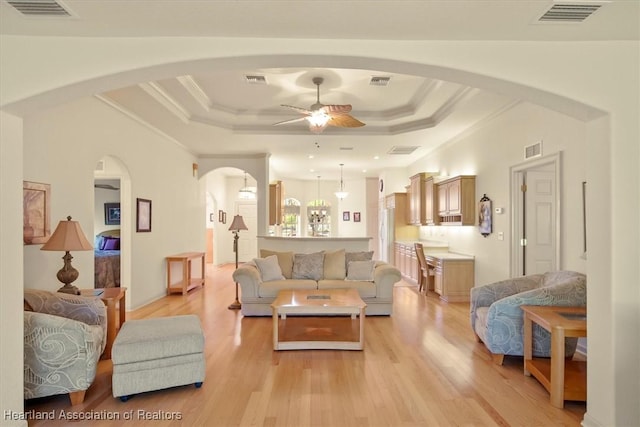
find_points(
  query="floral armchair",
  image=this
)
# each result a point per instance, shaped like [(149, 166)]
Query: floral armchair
[(64, 336), (496, 317)]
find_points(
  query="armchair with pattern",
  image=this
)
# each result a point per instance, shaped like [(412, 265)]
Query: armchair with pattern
[(496, 317), (64, 336)]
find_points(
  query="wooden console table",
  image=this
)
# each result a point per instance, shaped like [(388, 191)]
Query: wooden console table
[(188, 282), (110, 297), (563, 379)]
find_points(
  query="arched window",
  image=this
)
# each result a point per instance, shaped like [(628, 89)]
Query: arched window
[(319, 217), (291, 220)]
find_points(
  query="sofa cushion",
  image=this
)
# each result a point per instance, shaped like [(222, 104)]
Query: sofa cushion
[(361, 270), (308, 266), (481, 322), (357, 256), (285, 259), (365, 289), (271, 289), (269, 268), (334, 265)]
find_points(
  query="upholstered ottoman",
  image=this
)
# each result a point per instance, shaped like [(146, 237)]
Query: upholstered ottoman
[(153, 354)]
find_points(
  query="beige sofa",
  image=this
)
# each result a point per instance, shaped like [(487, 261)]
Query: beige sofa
[(260, 280)]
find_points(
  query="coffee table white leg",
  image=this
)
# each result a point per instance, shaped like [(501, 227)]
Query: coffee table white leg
[(275, 328), (361, 342)]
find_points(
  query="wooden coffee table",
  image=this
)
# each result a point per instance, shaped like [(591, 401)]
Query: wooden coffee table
[(318, 320)]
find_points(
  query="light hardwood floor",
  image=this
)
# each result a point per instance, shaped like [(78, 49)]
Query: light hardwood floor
[(420, 367)]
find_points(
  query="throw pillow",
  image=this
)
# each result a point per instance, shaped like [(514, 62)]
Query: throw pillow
[(361, 270), (269, 268), (285, 259), (111, 244), (334, 265), (308, 266), (357, 256)]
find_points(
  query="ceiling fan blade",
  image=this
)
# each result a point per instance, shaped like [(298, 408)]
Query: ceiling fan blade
[(298, 109), (336, 109), (299, 119), (345, 121)]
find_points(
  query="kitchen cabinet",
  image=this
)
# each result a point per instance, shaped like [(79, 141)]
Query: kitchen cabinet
[(456, 200), (407, 262), (453, 276), (431, 202), (276, 203), (416, 201)]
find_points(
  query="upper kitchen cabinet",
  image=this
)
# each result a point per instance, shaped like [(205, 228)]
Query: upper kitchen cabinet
[(431, 202), (456, 200), (276, 203), (417, 203)]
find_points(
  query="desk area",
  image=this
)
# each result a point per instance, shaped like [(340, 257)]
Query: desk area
[(563, 379)]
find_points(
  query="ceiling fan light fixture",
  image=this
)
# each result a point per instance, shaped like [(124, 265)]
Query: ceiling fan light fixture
[(341, 194)]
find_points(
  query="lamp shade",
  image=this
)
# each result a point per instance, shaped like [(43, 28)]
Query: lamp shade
[(237, 224), (68, 236)]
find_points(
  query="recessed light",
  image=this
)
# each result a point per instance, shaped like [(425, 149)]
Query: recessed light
[(364, 171), (376, 157), (311, 156), (312, 170)]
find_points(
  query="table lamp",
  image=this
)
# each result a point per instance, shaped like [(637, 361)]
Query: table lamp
[(68, 236), (236, 225)]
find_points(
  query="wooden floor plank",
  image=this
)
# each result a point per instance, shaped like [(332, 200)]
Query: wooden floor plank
[(420, 367)]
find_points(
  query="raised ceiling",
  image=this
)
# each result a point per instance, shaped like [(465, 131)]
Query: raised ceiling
[(223, 111)]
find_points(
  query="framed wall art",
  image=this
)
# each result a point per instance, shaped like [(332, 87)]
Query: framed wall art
[(143, 215), (112, 213), (346, 216), (484, 218), (356, 217), (36, 212)]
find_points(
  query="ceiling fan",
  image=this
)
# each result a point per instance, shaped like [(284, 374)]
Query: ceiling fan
[(320, 116)]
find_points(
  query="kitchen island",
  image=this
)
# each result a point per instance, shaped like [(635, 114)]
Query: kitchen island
[(314, 244)]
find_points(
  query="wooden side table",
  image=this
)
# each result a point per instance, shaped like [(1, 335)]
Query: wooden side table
[(563, 379), (111, 297), (188, 282)]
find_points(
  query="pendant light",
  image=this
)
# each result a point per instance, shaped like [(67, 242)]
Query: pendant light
[(341, 194), (246, 192)]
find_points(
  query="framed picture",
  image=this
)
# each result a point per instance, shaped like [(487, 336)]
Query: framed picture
[(224, 217), (220, 215), (143, 215), (36, 212), (210, 217), (484, 217), (345, 216), (356, 217), (112, 213)]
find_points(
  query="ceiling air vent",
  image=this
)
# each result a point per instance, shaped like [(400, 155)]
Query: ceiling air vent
[(346, 148), (379, 81), (533, 150), (255, 80), (403, 149), (39, 7), (569, 12)]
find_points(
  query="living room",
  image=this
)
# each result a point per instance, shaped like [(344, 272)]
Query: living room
[(83, 129)]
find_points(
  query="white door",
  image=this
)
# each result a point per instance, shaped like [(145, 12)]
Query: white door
[(535, 246), (540, 221), (248, 242)]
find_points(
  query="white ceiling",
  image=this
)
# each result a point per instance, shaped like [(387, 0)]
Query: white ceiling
[(194, 109)]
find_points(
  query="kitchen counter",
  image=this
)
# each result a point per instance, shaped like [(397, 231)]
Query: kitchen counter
[(313, 244), (448, 255)]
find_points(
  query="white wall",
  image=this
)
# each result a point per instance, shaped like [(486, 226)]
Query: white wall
[(488, 153), (11, 295), (79, 134)]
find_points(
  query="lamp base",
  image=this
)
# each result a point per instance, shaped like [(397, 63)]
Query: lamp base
[(69, 289), (236, 305)]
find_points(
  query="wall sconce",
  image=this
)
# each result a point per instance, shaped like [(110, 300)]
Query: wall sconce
[(195, 169)]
